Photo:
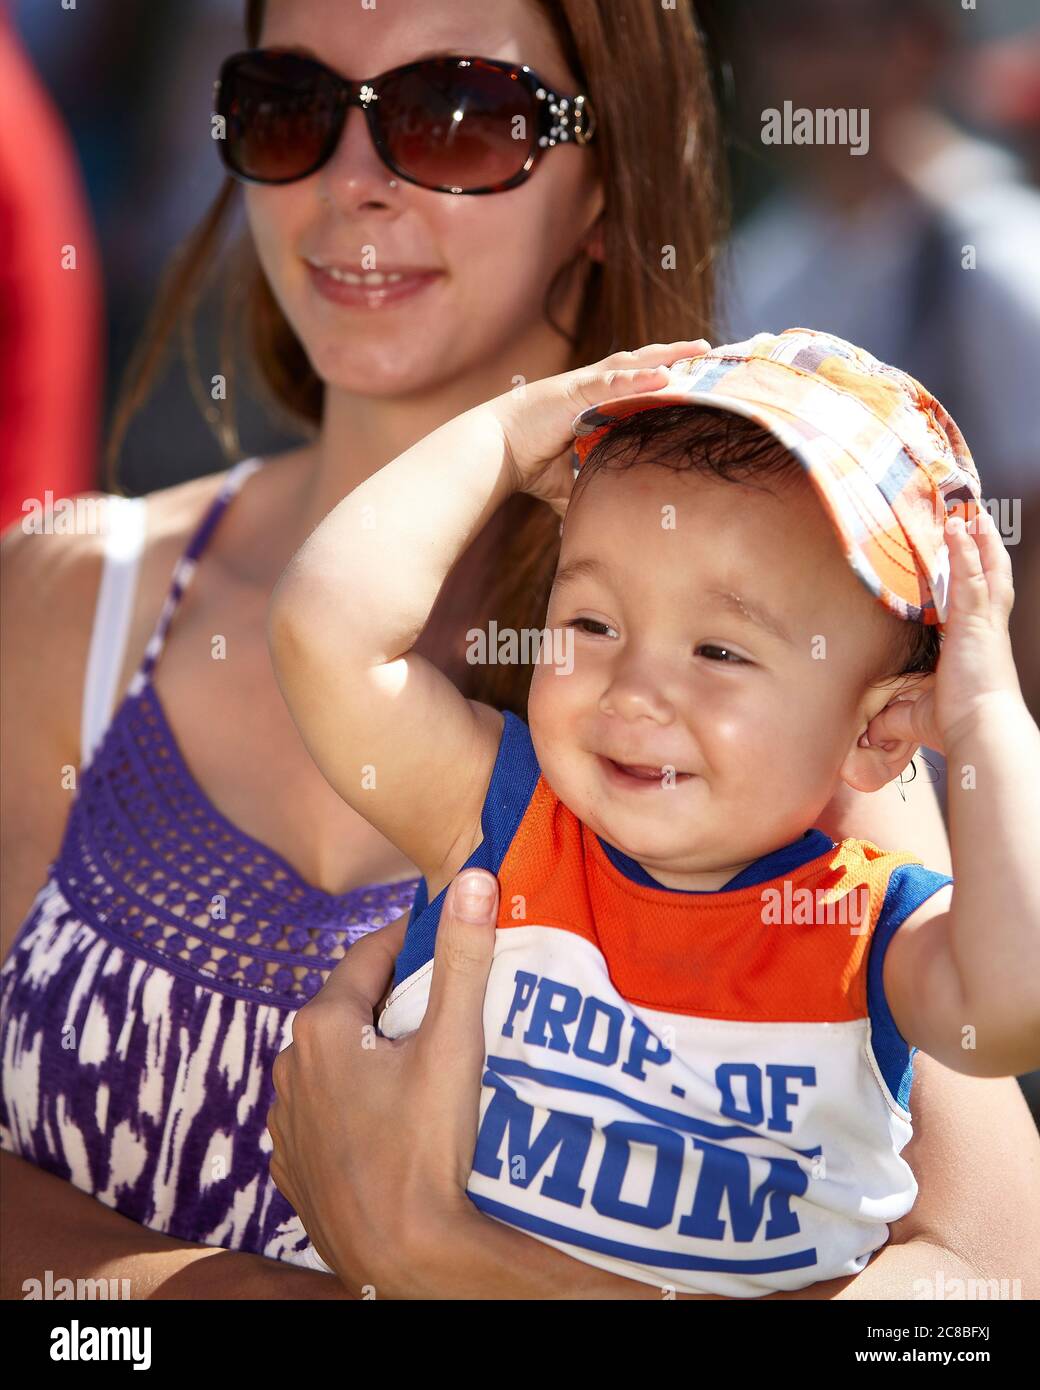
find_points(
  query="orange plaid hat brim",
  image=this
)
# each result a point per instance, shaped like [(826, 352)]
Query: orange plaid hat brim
[(886, 459)]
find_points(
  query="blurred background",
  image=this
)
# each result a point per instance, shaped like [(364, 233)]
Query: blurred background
[(925, 248)]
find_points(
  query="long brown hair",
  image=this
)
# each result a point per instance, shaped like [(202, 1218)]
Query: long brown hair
[(658, 154)]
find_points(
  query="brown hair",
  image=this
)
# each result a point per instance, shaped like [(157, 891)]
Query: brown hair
[(658, 154), (734, 449)]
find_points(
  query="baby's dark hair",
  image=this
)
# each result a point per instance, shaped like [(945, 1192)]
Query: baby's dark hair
[(729, 447)]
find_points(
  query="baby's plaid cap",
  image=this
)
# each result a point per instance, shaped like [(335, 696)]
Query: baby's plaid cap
[(886, 459)]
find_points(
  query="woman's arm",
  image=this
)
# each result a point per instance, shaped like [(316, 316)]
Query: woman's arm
[(476, 1257), (47, 1224), (48, 586), (976, 1155)]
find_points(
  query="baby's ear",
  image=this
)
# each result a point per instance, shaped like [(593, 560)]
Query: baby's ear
[(868, 766)]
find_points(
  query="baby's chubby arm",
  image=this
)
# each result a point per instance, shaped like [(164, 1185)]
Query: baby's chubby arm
[(390, 732), (962, 973)]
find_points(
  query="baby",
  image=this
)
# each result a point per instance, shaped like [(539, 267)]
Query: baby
[(702, 1012)]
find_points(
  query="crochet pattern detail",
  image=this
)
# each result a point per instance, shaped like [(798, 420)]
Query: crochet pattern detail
[(153, 865)]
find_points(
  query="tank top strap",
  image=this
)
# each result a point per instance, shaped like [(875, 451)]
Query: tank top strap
[(184, 570)]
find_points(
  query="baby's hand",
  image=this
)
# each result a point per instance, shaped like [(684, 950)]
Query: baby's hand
[(976, 671), (537, 419)]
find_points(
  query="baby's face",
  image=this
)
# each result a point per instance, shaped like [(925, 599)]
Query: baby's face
[(718, 631)]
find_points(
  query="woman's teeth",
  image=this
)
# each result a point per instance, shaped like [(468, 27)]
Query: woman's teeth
[(371, 277)]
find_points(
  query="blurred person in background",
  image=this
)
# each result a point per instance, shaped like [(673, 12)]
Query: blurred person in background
[(1001, 91), (50, 299), (924, 247)]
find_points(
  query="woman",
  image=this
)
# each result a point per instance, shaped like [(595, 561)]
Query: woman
[(190, 913)]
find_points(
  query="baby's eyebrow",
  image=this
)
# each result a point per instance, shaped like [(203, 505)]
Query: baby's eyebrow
[(752, 612), (588, 567), (585, 567)]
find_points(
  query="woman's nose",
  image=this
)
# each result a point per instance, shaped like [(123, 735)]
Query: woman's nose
[(356, 176)]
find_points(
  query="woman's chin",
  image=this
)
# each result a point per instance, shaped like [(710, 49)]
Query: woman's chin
[(404, 365)]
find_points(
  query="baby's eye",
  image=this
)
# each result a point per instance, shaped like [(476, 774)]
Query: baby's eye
[(722, 654), (587, 624)]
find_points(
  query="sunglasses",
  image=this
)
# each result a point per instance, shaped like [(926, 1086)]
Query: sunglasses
[(452, 124)]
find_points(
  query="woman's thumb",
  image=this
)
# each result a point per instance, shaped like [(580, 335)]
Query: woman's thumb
[(463, 950)]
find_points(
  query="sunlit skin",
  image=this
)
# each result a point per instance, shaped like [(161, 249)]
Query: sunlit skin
[(667, 675), (463, 338)]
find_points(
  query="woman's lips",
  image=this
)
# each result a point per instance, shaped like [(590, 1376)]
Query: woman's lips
[(370, 296), (634, 776)]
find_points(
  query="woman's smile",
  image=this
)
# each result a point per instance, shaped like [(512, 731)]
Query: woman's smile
[(369, 290)]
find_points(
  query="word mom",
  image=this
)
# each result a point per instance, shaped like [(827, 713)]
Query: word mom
[(557, 1153)]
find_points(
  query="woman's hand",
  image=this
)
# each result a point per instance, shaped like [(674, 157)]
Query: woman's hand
[(402, 1111), (976, 667), (536, 421)]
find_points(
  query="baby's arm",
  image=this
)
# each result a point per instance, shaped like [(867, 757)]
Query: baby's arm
[(389, 731), (962, 974)]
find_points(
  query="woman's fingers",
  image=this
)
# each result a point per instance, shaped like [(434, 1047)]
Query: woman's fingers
[(401, 1112), (462, 960), (362, 977)]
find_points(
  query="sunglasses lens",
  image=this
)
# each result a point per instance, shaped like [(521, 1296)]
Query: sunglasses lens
[(456, 127), (280, 113)]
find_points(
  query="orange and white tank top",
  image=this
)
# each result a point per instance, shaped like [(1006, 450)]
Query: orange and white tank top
[(704, 1091)]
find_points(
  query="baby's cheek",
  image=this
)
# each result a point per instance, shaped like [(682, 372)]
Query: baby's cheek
[(551, 694), (766, 745)]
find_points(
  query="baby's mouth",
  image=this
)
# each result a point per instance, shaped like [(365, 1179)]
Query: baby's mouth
[(639, 774)]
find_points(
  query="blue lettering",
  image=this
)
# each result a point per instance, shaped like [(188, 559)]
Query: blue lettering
[(546, 1019), (646, 1047), (571, 1134), (754, 1114), (727, 1173), (781, 1096), (525, 983), (583, 1042), (606, 1195)]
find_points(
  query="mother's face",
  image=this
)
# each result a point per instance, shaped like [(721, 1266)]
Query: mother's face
[(495, 254)]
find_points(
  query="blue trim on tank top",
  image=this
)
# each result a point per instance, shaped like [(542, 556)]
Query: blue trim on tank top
[(773, 865)]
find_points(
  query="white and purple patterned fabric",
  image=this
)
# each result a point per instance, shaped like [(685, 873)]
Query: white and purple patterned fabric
[(154, 982)]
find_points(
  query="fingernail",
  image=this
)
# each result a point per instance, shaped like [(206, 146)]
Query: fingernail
[(474, 895)]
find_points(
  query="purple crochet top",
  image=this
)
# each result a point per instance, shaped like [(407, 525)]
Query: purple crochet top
[(155, 979)]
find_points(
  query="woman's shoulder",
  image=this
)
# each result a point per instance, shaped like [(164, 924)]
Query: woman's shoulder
[(51, 562), (52, 557)]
